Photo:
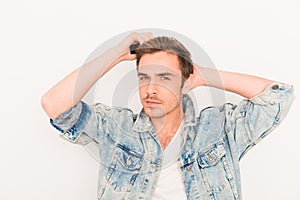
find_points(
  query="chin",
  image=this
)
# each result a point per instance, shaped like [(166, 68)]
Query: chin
[(155, 113)]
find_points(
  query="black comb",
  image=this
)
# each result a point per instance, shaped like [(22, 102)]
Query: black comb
[(133, 47)]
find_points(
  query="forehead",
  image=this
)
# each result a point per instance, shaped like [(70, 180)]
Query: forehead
[(159, 62)]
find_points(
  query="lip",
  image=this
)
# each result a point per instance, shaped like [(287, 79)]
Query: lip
[(152, 102)]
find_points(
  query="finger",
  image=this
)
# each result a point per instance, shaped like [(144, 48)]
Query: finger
[(149, 35), (144, 37)]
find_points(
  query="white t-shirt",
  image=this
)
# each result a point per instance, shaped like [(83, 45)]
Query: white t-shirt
[(170, 184)]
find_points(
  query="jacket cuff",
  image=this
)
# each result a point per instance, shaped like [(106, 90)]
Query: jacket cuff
[(71, 122), (274, 94)]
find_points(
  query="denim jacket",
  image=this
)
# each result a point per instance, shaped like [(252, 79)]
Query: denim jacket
[(215, 141)]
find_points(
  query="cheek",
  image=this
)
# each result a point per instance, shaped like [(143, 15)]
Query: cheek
[(173, 90), (142, 89)]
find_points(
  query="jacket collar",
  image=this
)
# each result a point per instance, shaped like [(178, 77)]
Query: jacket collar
[(143, 122)]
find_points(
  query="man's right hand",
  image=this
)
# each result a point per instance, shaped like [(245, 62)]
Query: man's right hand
[(133, 37)]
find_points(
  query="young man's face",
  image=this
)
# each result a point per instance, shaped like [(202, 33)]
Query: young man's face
[(160, 84)]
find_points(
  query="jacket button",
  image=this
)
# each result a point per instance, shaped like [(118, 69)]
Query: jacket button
[(188, 168), (129, 160), (275, 87)]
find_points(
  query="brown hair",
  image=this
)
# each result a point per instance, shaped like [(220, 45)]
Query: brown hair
[(170, 45)]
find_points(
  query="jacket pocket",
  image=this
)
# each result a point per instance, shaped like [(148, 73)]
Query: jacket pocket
[(216, 173), (124, 170)]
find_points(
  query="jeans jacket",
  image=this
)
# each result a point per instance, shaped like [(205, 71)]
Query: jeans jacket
[(214, 142)]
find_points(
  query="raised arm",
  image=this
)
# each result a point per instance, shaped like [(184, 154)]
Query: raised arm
[(243, 84), (71, 89), (267, 104)]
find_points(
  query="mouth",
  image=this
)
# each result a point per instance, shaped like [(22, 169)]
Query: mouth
[(152, 102)]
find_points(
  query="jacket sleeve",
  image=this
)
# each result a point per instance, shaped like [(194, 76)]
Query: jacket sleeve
[(253, 119), (82, 123)]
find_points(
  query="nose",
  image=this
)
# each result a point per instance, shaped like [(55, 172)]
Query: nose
[(152, 88)]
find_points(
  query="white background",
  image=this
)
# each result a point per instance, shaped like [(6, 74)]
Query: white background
[(42, 41)]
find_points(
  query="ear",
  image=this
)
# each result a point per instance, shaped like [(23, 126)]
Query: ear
[(186, 86)]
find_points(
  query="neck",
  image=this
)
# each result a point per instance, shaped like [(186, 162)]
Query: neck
[(167, 123), (167, 126)]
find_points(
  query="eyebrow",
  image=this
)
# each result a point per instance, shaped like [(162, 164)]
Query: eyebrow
[(142, 74), (165, 74), (159, 74)]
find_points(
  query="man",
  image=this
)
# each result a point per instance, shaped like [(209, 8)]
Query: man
[(167, 151)]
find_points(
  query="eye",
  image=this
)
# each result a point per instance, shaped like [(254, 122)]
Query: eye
[(165, 78), (142, 78)]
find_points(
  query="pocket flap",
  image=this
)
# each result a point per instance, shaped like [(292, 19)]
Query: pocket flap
[(129, 161), (212, 156)]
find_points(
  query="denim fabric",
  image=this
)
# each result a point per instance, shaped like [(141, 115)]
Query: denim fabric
[(214, 142)]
